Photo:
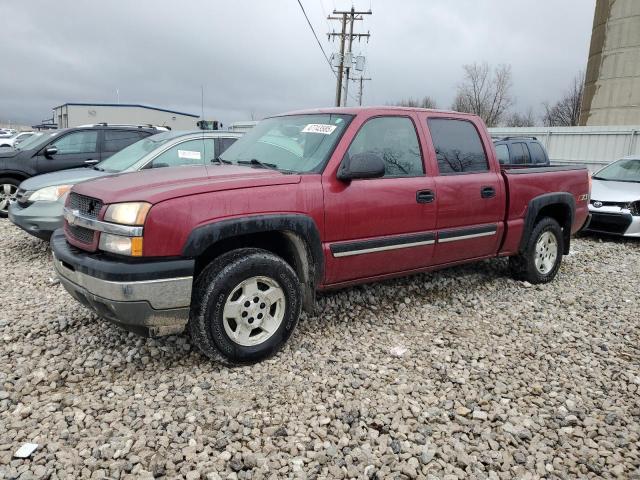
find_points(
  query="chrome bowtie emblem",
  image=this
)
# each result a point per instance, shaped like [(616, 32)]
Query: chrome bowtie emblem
[(597, 204)]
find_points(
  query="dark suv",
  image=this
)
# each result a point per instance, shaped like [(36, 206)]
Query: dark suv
[(521, 152), (61, 149)]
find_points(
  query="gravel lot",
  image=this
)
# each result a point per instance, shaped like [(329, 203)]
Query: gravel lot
[(499, 380)]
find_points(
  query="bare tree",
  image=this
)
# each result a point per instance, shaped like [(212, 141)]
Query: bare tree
[(566, 112), (485, 91), (425, 102), (516, 119)]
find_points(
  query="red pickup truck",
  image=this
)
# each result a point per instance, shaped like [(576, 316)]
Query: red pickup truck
[(307, 201)]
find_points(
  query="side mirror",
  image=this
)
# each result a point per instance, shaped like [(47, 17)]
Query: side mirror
[(361, 165), (50, 151)]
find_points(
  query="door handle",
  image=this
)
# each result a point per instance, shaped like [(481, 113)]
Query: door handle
[(487, 192), (425, 196), (91, 162)]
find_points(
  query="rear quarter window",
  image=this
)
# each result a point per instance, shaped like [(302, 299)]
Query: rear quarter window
[(537, 153)]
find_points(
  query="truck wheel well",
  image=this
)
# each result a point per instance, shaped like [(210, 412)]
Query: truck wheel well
[(561, 213), (287, 245), (14, 176)]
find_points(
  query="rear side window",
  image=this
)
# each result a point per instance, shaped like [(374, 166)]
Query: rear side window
[(191, 152), (537, 154), (458, 146), (519, 153), (395, 140), (116, 140), (503, 154)]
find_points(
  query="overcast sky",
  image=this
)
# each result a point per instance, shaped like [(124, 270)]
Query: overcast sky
[(259, 57)]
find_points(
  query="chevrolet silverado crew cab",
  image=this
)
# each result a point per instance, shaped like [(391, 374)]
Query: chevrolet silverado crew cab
[(305, 202)]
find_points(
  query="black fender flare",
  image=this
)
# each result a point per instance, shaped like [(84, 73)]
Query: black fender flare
[(300, 225), (536, 205)]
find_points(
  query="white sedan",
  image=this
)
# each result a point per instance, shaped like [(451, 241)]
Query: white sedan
[(15, 139), (615, 199)]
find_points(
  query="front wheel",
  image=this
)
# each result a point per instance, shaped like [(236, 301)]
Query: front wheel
[(245, 305), (8, 191), (541, 258)]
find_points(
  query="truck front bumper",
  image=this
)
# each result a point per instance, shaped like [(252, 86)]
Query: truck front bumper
[(150, 298)]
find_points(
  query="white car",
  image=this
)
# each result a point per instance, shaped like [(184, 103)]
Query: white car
[(7, 132), (615, 199), (15, 139)]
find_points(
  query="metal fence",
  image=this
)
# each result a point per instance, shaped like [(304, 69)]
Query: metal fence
[(591, 146)]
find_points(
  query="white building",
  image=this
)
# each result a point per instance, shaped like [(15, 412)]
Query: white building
[(75, 114)]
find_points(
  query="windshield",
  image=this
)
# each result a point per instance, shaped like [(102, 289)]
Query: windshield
[(36, 140), (293, 143), (625, 170), (130, 155)]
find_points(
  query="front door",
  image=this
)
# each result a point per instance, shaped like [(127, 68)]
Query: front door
[(384, 225), (471, 200), (75, 149)]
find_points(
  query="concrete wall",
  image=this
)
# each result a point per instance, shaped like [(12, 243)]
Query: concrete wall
[(74, 115), (612, 84), (591, 146)]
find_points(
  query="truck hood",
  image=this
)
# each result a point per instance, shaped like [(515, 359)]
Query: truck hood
[(161, 184), (608, 191), (62, 177)]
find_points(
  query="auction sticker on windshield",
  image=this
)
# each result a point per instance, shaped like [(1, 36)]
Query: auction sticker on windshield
[(319, 128), (189, 155)]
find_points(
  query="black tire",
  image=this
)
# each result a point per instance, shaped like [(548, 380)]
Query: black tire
[(523, 266), (4, 203), (217, 282)]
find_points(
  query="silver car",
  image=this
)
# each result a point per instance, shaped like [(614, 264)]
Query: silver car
[(40, 200), (615, 199)]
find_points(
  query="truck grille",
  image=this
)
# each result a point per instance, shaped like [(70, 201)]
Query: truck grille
[(86, 206), (81, 234)]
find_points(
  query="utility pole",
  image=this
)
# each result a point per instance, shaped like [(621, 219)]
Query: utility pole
[(361, 80), (346, 16)]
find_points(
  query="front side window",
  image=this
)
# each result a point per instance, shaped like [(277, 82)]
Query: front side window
[(116, 140), (192, 152), (537, 154), (77, 142), (458, 146), (394, 140), (503, 154), (291, 143)]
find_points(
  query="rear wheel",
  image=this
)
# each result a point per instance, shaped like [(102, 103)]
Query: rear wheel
[(245, 305), (8, 192), (541, 258)]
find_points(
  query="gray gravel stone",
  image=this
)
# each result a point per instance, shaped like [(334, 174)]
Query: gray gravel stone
[(497, 379)]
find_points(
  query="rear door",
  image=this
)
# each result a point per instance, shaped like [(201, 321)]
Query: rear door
[(470, 191), (383, 225), (77, 148)]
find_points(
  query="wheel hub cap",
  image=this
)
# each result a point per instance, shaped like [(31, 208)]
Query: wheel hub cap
[(7, 195), (254, 311), (546, 252)]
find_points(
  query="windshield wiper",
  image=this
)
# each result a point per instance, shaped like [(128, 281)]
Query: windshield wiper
[(600, 178), (98, 168), (255, 161), (220, 161)]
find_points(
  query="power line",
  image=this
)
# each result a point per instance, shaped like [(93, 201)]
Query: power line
[(316, 36)]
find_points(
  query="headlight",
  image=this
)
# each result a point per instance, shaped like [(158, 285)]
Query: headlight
[(132, 213), (50, 194), (121, 245)]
